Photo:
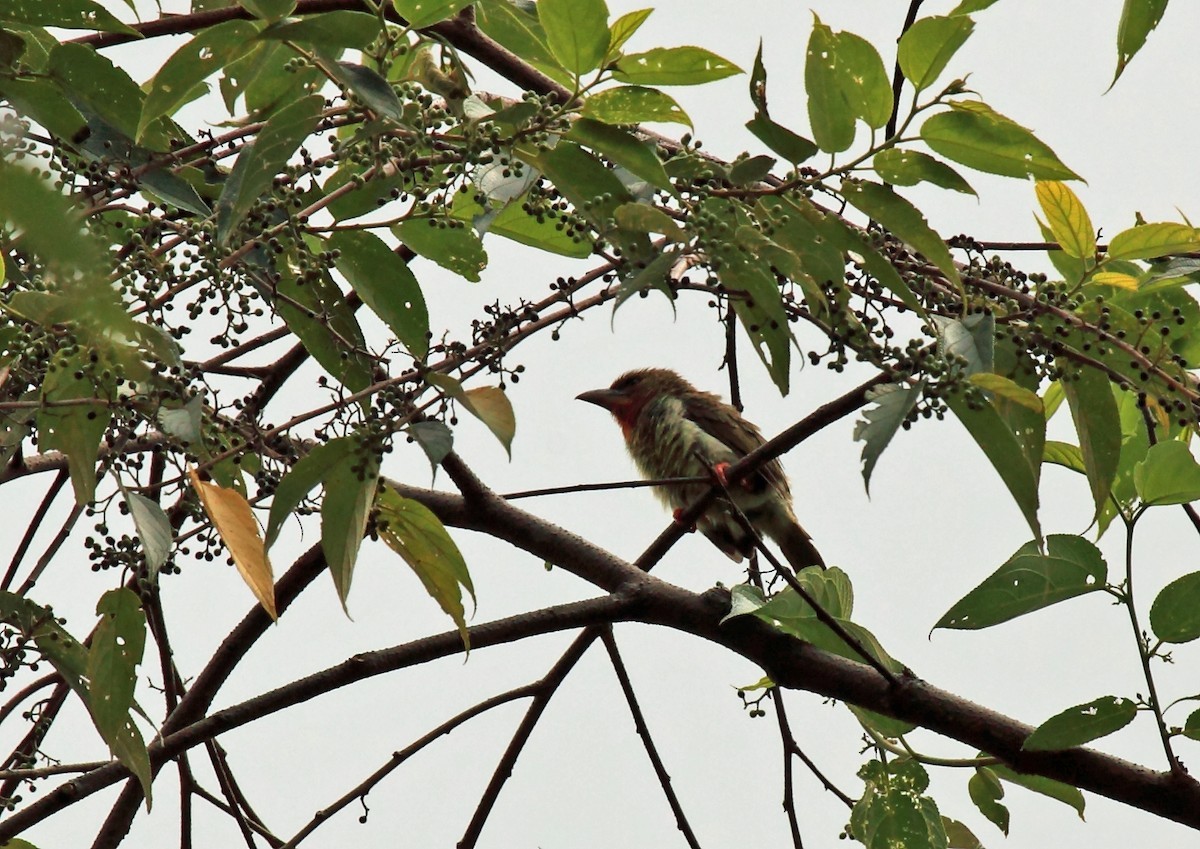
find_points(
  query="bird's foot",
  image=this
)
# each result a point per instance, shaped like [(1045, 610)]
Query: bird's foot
[(721, 473), (677, 515)]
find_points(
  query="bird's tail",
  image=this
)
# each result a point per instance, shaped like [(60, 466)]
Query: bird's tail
[(797, 545)]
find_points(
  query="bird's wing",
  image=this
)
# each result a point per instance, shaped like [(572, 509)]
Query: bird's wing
[(722, 421)]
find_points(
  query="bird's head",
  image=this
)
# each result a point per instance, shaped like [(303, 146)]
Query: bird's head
[(630, 393)]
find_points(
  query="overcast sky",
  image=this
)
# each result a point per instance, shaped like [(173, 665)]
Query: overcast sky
[(939, 522)]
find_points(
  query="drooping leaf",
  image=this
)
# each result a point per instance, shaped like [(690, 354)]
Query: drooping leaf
[(350, 486), (518, 28), (113, 657), (958, 836), (75, 429), (986, 792), (1068, 220), (576, 32), (908, 167), (788, 144), (447, 242), (1048, 787), (209, 51), (261, 161), (423, 13), (1138, 20), (928, 45), (372, 90), (654, 274), (674, 66), (231, 516), (1029, 581), (310, 470), (975, 135), (1175, 613), (1098, 424), (153, 529), (411, 530), (1081, 724), (435, 439), (845, 79), (881, 422), (513, 222), (971, 338), (903, 219), (1168, 475), (491, 406), (623, 148), (893, 812)]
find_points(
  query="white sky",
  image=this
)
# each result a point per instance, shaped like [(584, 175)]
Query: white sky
[(940, 520)]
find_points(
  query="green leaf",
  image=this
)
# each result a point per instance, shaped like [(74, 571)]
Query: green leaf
[(337, 28), (315, 309), (928, 45), (447, 242), (310, 470), (880, 423), (153, 529), (261, 161), (892, 813), (191, 64), (623, 148), (1175, 614), (1064, 454), (1068, 220), (909, 167), (751, 170), (903, 219), (269, 10), (845, 79), (966, 7), (1148, 241), (521, 32), (644, 218), (74, 429), (44, 102), (1006, 451), (350, 485), (1081, 724), (592, 189), (959, 836), (1138, 19), (435, 439), (513, 222), (92, 78), (113, 657), (416, 534), (654, 274), (998, 384), (372, 90), (674, 66), (576, 32), (791, 146), (634, 104), (1029, 581), (986, 792), (68, 14), (50, 224), (973, 339), (624, 27), (1191, 728), (423, 13), (1048, 787), (1098, 424), (972, 134), (1168, 475), (757, 302)]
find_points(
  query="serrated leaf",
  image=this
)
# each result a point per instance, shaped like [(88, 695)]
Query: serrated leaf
[(1067, 218), (974, 135), (928, 45), (350, 486), (1175, 613), (1081, 724), (1168, 475), (903, 219), (909, 167), (153, 529), (576, 32), (1148, 241), (1138, 20), (231, 516), (260, 162), (1098, 424), (491, 406), (423, 13), (208, 52), (417, 535), (892, 812), (674, 66), (294, 487), (452, 246), (633, 104), (1029, 581), (880, 423), (986, 792)]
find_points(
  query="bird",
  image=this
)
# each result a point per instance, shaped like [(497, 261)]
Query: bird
[(674, 430)]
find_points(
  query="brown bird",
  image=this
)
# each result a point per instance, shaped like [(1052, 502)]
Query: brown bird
[(674, 430)]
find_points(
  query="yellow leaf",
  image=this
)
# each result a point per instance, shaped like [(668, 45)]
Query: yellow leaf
[(491, 406), (1005, 388), (1117, 279), (231, 516), (1148, 241), (1068, 220)]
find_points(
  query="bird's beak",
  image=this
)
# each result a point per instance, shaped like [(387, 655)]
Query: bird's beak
[(606, 398)]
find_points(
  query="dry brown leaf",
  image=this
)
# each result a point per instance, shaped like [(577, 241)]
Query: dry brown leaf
[(231, 516)]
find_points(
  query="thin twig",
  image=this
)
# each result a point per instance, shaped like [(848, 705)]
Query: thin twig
[(597, 487), (789, 789), (897, 73), (35, 525)]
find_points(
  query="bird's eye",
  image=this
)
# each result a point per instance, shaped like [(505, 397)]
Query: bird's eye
[(627, 382)]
